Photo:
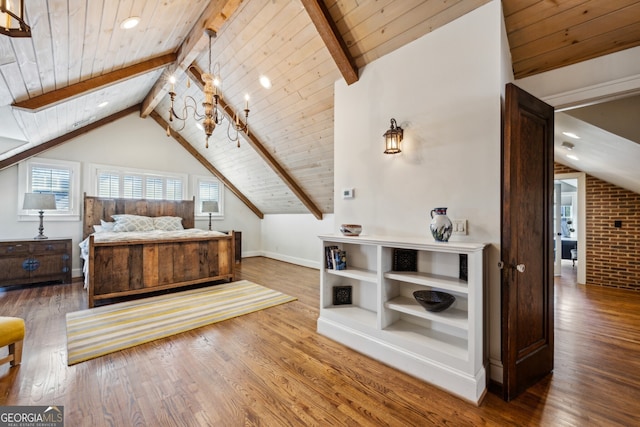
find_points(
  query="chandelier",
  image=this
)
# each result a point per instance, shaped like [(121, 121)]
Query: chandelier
[(212, 115), (12, 21)]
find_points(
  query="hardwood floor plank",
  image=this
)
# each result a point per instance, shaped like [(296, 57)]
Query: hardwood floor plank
[(272, 368)]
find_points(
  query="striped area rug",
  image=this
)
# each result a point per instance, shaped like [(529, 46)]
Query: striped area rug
[(98, 331)]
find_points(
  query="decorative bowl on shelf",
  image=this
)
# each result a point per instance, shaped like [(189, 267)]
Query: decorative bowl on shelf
[(434, 300), (351, 229)]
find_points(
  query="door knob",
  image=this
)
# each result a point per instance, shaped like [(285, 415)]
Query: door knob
[(519, 267)]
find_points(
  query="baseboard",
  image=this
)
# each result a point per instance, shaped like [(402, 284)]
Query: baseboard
[(495, 370), (292, 260)]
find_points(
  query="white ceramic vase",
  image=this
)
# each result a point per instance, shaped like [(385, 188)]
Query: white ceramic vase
[(440, 226)]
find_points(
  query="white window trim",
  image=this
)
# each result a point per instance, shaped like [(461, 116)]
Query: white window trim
[(95, 169), (197, 179), (73, 214)]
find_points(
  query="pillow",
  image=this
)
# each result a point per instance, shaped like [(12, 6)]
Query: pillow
[(132, 223), (168, 223), (106, 226), (97, 229)]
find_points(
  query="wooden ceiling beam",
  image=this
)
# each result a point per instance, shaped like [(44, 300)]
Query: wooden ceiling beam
[(57, 96), (10, 161), (257, 145), (204, 162), (197, 41), (332, 39)]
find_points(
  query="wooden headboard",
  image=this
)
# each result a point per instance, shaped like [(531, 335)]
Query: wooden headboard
[(97, 208)]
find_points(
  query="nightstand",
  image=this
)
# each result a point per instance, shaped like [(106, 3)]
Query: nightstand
[(29, 261)]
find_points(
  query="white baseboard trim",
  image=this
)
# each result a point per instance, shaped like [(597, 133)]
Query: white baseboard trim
[(290, 259)]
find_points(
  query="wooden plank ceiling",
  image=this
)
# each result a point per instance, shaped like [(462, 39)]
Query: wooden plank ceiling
[(79, 56), (549, 34)]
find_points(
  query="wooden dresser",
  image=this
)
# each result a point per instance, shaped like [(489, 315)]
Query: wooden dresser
[(27, 261)]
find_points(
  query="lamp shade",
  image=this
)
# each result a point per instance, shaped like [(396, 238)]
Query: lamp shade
[(39, 201), (210, 206)]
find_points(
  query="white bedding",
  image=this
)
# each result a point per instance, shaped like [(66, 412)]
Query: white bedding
[(110, 236)]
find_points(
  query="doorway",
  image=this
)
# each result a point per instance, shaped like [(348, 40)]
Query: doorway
[(570, 224)]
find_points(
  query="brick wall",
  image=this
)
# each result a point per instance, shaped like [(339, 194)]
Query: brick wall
[(613, 254)]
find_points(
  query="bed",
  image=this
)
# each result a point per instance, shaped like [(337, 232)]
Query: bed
[(131, 264)]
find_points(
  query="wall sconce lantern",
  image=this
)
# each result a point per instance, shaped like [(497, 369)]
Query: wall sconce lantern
[(393, 138), (12, 22)]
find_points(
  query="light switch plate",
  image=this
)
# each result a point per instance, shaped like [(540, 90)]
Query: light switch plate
[(459, 226)]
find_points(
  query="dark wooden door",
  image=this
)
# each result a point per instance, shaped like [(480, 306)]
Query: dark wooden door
[(526, 243)]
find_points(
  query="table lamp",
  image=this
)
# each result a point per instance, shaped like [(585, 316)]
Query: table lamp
[(210, 206), (39, 202)]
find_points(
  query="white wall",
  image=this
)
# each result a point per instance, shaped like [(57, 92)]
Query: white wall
[(294, 238), (445, 90), (129, 142)]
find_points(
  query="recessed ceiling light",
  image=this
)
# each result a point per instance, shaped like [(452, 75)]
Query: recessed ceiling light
[(103, 104), (571, 135), (265, 82), (568, 145), (130, 22), (572, 157)]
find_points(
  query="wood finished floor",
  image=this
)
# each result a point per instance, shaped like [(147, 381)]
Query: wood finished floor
[(270, 368)]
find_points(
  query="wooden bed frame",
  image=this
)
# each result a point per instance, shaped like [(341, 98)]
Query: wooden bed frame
[(118, 269)]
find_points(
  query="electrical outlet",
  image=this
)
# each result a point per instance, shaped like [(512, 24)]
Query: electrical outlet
[(459, 226)]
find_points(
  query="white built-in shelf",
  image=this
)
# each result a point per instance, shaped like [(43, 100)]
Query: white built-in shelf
[(356, 273), (427, 279), (451, 316), (383, 321)]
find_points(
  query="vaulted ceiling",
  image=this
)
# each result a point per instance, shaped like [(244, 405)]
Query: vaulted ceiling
[(52, 83)]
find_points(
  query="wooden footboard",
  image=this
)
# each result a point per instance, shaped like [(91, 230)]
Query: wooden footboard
[(118, 269)]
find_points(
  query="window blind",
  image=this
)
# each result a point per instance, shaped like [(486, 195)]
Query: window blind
[(50, 180), (130, 185), (209, 191)]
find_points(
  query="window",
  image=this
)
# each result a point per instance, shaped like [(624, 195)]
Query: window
[(109, 185), (132, 187), (118, 182), (57, 177), (209, 189)]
